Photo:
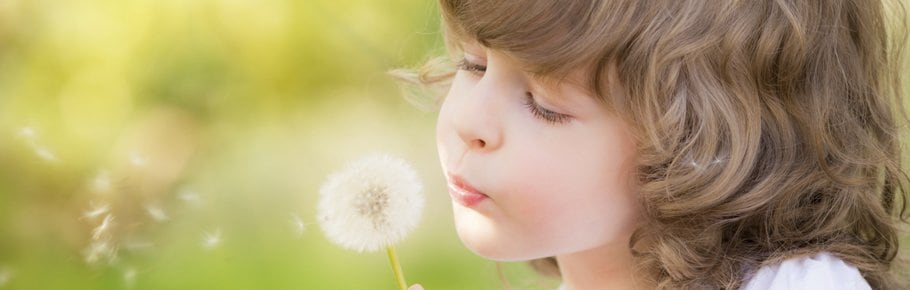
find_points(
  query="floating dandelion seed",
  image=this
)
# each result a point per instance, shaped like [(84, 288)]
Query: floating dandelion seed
[(27, 133), (99, 250), (102, 182), (30, 136), (45, 153), (103, 228), (156, 212), (129, 277), (298, 225), (6, 275), (96, 210), (371, 204), (137, 159), (190, 197), (211, 240)]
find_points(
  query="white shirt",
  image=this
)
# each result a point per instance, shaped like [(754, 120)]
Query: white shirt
[(822, 271)]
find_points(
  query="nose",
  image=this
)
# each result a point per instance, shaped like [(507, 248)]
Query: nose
[(476, 127), (477, 118)]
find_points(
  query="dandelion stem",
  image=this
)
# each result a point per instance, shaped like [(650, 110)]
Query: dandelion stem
[(396, 267)]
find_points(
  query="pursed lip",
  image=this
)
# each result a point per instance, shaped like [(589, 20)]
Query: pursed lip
[(463, 193)]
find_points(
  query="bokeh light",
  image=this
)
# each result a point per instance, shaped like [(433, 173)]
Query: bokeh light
[(172, 144)]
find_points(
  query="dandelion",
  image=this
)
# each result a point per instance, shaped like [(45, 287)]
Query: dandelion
[(211, 240), (371, 204)]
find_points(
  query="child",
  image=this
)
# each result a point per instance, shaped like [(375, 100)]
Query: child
[(685, 144)]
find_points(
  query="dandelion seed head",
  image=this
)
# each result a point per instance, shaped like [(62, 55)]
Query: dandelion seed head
[(373, 203)]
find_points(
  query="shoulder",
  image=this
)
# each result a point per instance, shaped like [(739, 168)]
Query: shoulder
[(821, 271)]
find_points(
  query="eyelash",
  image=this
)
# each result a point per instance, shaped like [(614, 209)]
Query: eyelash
[(543, 113), (536, 109), (468, 66)]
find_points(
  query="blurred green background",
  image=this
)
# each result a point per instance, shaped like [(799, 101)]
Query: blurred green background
[(175, 144), (204, 129)]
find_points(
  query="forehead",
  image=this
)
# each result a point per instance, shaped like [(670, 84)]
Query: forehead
[(547, 37)]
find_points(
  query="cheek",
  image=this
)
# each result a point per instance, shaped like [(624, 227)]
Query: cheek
[(580, 199), (563, 193)]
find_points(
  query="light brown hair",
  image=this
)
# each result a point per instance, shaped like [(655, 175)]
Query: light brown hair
[(766, 129)]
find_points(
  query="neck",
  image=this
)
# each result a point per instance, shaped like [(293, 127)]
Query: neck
[(606, 267)]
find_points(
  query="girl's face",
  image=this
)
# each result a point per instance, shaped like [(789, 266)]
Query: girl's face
[(533, 170)]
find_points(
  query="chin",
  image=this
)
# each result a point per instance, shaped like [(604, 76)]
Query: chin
[(490, 250), (484, 240), (499, 252)]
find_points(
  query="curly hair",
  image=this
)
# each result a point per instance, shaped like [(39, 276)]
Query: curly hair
[(766, 130)]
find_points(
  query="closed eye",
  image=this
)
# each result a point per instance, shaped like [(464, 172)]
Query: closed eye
[(543, 113), (471, 67)]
